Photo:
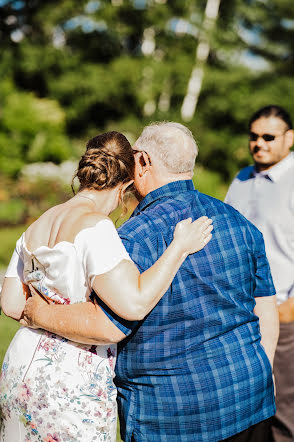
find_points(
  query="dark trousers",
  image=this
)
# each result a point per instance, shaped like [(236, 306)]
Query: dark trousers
[(283, 421), (260, 432)]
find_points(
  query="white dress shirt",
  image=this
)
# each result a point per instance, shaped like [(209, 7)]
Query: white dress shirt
[(267, 200)]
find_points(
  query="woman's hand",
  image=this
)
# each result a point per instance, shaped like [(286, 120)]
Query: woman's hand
[(31, 309), (193, 236)]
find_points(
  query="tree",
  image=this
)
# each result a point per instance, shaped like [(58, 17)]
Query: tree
[(196, 79), (31, 130), (119, 64)]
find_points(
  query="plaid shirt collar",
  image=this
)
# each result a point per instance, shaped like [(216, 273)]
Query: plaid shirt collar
[(165, 191)]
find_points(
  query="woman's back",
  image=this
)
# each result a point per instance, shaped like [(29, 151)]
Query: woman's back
[(53, 261), (61, 223)]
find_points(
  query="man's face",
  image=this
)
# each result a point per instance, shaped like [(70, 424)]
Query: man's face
[(268, 141)]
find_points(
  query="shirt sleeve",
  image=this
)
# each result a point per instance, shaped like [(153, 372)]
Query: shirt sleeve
[(102, 249), (15, 267), (264, 285), (229, 198)]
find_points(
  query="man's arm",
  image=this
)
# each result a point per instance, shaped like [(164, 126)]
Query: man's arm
[(265, 298), (84, 322), (286, 311), (266, 310)]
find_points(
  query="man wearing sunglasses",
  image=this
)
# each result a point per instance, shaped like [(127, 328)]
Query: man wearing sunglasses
[(264, 193)]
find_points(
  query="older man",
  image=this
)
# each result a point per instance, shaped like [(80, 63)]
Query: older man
[(195, 368), (264, 194)]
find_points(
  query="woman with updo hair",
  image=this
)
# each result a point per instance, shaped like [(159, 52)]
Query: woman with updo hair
[(52, 388)]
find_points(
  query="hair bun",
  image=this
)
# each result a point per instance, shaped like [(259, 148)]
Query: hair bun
[(107, 162)]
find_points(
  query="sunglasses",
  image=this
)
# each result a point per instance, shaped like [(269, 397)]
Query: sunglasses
[(266, 137)]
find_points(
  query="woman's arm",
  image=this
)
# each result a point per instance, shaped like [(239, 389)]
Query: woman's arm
[(127, 292), (83, 322), (132, 295), (13, 297), (14, 293)]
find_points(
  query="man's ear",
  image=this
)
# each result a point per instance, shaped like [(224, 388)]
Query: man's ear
[(146, 159), (143, 163), (290, 137)]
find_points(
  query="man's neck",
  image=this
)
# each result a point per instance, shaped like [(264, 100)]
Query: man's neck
[(162, 181)]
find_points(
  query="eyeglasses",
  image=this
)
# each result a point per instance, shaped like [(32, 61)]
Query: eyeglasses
[(266, 137)]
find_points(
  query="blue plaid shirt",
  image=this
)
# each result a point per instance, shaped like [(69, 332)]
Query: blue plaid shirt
[(194, 369)]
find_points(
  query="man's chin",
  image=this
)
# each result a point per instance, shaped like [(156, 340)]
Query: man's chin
[(261, 158), (263, 164)]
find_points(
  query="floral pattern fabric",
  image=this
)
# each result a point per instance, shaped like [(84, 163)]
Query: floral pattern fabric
[(52, 389), (62, 392)]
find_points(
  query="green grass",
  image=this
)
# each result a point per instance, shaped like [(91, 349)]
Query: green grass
[(8, 327), (8, 238), (118, 439)]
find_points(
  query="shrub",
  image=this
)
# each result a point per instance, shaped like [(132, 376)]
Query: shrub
[(31, 129), (209, 182), (12, 212)]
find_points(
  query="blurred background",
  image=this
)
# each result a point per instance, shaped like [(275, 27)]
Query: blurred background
[(72, 69)]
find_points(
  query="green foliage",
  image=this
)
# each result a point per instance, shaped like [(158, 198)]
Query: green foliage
[(73, 68), (8, 238), (12, 211), (24, 200), (31, 129), (209, 182), (8, 327)]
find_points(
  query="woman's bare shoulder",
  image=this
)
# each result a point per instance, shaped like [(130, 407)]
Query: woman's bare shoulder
[(61, 223), (43, 218), (90, 219)]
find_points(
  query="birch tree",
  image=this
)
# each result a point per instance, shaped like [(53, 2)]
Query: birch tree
[(202, 52)]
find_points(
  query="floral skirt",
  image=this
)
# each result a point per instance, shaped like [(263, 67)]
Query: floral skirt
[(54, 390)]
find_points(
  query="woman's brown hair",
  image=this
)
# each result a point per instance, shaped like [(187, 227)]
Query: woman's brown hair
[(107, 162)]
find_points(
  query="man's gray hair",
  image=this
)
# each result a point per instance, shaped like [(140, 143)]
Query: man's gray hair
[(172, 144)]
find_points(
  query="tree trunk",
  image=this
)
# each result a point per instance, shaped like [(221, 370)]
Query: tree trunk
[(202, 52)]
